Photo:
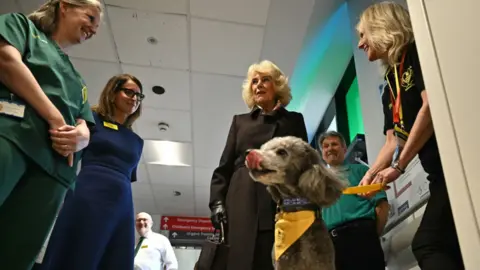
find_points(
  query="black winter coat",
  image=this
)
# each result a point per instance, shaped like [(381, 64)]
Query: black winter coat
[(249, 206)]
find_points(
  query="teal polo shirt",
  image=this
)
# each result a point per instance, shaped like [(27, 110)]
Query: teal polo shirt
[(352, 207)]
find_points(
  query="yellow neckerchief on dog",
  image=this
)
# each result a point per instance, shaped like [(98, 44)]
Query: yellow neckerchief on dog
[(289, 227)]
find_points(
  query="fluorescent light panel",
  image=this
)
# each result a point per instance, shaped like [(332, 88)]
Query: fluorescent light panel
[(167, 153)]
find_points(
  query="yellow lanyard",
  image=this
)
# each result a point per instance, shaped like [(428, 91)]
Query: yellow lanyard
[(397, 101)]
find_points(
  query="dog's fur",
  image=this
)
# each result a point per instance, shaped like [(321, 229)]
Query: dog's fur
[(290, 167)]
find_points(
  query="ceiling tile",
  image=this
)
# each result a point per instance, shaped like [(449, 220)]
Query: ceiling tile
[(245, 11), (175, 82), (100, 47), (131, 29), (203, 176), (167, 6), (96, 75), (9, 6), (202, 210), (224, 48), (179, 122), (142, 174), (170, 175), (142, 191), (169, 204), (146, 205), (202, 197), (166, 192), (216, 99)]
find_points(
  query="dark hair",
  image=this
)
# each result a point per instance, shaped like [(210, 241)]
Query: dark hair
[(106, 107), (331, 133)]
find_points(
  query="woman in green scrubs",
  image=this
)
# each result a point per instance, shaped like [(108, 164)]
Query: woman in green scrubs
[(44, 119)]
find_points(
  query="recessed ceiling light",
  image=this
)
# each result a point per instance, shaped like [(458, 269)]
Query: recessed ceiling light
[(152, 40), (159, 90)]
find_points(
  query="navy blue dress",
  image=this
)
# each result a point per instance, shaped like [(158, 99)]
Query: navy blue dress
[(96, 226)]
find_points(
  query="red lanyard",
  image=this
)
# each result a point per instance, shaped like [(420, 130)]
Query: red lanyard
[(397, 101)]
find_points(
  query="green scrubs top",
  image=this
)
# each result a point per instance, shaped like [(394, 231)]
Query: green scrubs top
[(352, 207), (61, 83)]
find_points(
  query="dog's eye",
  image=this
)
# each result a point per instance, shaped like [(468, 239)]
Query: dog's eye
[(282, 152)]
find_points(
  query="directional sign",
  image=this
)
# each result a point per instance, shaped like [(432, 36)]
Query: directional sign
[(183, 235), (186, 224)]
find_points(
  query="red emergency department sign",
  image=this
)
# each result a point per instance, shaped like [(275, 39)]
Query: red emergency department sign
[(186, 224)]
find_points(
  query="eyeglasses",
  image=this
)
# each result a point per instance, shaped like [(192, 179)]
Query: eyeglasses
[(130, 93)]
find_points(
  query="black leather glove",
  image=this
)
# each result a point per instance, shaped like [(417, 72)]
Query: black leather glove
[(218, 215)]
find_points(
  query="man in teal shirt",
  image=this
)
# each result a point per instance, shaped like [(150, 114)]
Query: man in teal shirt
[(355, 223)]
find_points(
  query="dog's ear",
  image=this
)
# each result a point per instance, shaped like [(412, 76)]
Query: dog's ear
[(321, 186)]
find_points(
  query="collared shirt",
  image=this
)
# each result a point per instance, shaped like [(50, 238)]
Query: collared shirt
[(156, 253)]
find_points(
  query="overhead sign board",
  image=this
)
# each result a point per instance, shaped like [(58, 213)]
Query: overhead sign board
[(186, 224)]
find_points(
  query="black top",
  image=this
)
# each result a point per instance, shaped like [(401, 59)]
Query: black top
[(412, 85)]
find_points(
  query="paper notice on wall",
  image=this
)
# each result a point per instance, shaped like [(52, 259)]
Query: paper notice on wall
[(408, 190)]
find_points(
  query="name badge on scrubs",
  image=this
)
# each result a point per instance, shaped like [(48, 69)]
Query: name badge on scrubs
[(145, 246), (110, 125), (12, 108)]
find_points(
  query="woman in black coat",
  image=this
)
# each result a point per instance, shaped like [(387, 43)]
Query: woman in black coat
[(245, 205)]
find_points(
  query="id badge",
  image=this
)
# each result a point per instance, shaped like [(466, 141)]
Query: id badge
[(12, 108), (110, 125)]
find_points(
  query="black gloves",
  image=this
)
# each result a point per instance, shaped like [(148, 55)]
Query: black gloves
[(218, 215)]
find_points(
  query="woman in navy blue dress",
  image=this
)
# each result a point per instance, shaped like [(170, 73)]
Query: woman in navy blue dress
[(95, 228)]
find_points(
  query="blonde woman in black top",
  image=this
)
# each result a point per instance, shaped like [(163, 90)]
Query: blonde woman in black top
[(386, 35)]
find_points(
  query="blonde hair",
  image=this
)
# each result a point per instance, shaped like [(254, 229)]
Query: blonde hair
[(388, 28), (106, 103), (265, 67), (45, 17)]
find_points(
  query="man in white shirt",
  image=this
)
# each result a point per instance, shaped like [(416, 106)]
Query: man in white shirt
[(153, 251)]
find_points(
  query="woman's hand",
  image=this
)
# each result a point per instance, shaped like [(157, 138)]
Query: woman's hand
[(67, 139), (384, 177), (64, 141)]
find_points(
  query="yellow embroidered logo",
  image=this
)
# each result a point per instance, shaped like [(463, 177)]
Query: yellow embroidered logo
[(390, 106), (39, 38), (407, 79), (84, 94)]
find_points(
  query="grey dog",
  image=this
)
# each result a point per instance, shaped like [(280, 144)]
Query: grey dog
[(292, 171)]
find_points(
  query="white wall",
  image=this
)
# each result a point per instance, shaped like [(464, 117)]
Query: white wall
[(186, 258), (448, 45)]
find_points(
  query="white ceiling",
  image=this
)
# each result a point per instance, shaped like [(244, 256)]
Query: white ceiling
[(204, 49)]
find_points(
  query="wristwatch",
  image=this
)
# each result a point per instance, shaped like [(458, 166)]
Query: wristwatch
[(396, 166)]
